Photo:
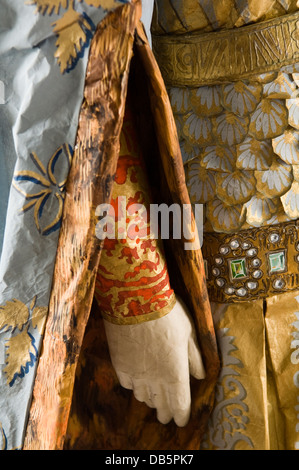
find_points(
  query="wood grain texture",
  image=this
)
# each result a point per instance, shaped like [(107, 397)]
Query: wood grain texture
[(111, 418), (77, 400), (89, 184)]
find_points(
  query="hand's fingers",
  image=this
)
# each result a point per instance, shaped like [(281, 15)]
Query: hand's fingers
[(180, 403), (164, 415), (196, 366), (182, 417), (154, 396), (160, 400), (125, 380), (142, 393)]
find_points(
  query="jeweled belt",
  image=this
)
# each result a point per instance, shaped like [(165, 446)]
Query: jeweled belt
[(254, 263), (196, 59)]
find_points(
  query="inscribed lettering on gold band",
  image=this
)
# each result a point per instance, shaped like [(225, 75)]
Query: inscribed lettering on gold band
[(201, 59)]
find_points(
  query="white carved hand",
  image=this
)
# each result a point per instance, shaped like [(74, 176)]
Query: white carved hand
[(155, 360)]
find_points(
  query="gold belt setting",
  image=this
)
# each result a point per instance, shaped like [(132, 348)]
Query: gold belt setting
[(196, 60), (254, 263)]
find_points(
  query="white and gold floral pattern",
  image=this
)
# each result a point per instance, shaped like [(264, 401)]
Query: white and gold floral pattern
[(254, 154), (240, 147), (206, 100), (287, 146), (237, 187), (225, 218), (241, 98), (219, 158), (179, 98), (230, 128), (293, 108), (290, 201), (275, 181), (198, 129), (200, 183), (281, 88), (269, 119), (260, 209)]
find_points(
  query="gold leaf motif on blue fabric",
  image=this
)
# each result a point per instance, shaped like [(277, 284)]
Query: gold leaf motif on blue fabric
[(74, 30), (17, 322), (44, 190)]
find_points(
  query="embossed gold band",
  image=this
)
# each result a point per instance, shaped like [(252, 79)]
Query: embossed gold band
[(254, 263), (195, 59)]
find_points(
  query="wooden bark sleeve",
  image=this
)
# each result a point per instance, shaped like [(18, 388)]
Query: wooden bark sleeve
[(77, 401), (89, 184)]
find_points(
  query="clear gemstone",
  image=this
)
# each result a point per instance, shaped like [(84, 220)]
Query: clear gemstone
[(297, 258), (220, 282), (241, 292), (256, 262), (216, 271), (297, 246), (257, 274), (251, 252), (218, 261), (246, 245), (274, 237), (278, 284), (277, 261), (224, 250), (234, 244), (252, 285), (229, 290)]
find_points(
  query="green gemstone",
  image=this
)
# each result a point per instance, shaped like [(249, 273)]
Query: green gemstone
[(238, 268), (277, 261)]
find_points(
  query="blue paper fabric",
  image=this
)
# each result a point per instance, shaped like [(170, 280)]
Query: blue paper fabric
[(44, 47)]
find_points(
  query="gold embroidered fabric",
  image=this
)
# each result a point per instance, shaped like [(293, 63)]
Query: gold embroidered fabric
[(239, 141), (196, 59), (132, 283), (252, 264), (239, 137), (177, 16), (257, 396)]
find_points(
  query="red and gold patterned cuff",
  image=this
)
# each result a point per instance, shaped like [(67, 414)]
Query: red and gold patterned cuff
[(132, 284)]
